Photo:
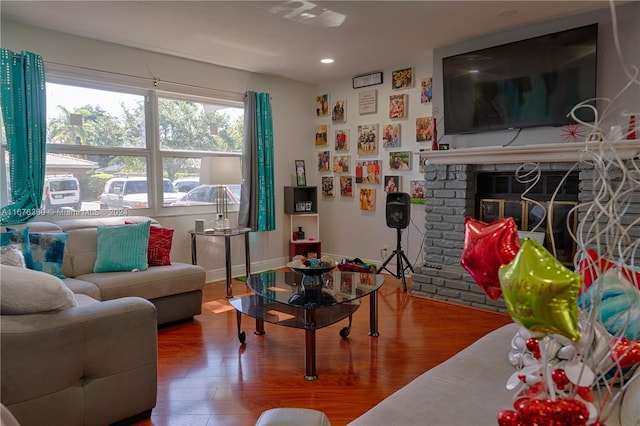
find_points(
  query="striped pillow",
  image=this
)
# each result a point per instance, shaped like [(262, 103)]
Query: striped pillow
[(122, 248)]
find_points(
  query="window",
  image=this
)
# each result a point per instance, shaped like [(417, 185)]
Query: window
[(99, 133)]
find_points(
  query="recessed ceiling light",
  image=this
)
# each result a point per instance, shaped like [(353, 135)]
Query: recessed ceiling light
[(327, 61)]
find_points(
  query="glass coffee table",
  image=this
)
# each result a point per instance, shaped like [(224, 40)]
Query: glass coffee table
[(280, 298)]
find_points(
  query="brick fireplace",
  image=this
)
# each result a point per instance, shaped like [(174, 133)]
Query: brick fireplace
[(450, 191)]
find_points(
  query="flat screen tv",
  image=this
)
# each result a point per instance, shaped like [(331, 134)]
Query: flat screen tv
[(527, 83)]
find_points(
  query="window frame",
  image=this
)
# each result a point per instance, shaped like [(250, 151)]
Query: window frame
[(152, 152)]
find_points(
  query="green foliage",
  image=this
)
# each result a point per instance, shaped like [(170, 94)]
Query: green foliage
[(94, 185)]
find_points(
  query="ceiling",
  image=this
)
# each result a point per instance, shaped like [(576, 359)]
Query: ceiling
[(288, 38)]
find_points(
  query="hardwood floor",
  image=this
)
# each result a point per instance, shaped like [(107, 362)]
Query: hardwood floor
[(207, 378)]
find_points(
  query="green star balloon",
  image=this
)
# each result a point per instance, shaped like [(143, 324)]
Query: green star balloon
[(541, 294)]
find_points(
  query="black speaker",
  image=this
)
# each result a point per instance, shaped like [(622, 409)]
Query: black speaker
[(398, 210)]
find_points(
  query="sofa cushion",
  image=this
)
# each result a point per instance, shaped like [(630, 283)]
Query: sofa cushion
[(47, 252), (82, 287), (122, 248), (27, 292), (155, 282)]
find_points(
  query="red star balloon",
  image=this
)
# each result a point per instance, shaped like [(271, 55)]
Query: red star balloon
[(625, 352), (540, 293), (486, 248)]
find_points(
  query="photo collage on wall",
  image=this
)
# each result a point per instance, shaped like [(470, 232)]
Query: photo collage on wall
[(369, 154)]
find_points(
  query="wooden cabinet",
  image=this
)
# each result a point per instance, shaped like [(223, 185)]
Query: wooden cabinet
[(300, 203)]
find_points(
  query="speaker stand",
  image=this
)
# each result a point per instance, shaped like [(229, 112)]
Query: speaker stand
[(401, 267)]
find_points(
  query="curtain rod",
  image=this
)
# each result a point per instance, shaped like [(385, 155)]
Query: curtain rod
[(154, 80)]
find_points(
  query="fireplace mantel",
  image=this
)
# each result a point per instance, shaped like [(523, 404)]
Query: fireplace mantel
[(541, 153)]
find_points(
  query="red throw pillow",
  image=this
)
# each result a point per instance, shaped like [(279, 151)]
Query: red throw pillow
[(160, 241)]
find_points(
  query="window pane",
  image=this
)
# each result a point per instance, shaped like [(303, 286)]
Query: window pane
[(91, 117), (197, 126), (93, 182), (197, 180)]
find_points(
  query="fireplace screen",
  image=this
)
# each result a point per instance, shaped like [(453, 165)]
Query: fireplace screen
[(504, 201)]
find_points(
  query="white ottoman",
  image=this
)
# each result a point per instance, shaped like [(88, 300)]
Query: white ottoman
[(293, 417)]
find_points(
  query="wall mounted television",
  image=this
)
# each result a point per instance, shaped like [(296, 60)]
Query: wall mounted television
[(528, 83)]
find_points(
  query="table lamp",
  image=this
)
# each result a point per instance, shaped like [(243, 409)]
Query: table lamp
[(221, 171)]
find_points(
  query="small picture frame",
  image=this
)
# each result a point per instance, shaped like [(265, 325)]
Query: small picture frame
[(391, 135), (391, 183), (339, 112), (301, 175), (322, 105), (400, 160), (324, 161), (322, 134), (346, 186), (402, 79), (327, 186), (368, 102), (342, 140), (398, 106), (341, 163)]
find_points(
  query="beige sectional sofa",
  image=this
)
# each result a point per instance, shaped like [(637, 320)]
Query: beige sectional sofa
[(175, 290), (94, 363)]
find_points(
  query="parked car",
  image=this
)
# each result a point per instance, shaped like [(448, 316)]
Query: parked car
[(132, 193), (61, 191), (207, 195), (186, 184)]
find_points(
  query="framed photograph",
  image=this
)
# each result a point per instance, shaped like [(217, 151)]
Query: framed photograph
[(322, 105), (367, 199), (339, 112), (391, 136), (424, 129), (368, 102), (324, 161), (346, 186), (368, 139), (322, 133), (341, 163), (398, 106), (342, 140), (392, 184), (417, 191), (426, 90), (368, 172), (400, 160), (327, 186), (422, 162), (402, 79), (301, 175), (364, 80)]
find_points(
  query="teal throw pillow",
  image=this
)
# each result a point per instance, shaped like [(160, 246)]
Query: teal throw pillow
[(122, 248), (18, 239), (47, 252)]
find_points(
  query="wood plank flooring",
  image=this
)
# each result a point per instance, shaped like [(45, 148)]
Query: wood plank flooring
[(207, 378)]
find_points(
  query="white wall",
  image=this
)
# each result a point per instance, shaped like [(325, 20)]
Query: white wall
[(347, 231)]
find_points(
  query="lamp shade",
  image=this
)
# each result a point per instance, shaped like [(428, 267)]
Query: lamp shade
[(220, 170)]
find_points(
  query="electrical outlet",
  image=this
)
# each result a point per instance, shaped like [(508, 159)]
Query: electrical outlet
[(383, 252)]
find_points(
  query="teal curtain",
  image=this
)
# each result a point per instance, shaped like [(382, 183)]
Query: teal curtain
[(23, 99), (257, 203)]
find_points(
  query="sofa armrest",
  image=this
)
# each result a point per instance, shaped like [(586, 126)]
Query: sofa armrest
[(86, 347)]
